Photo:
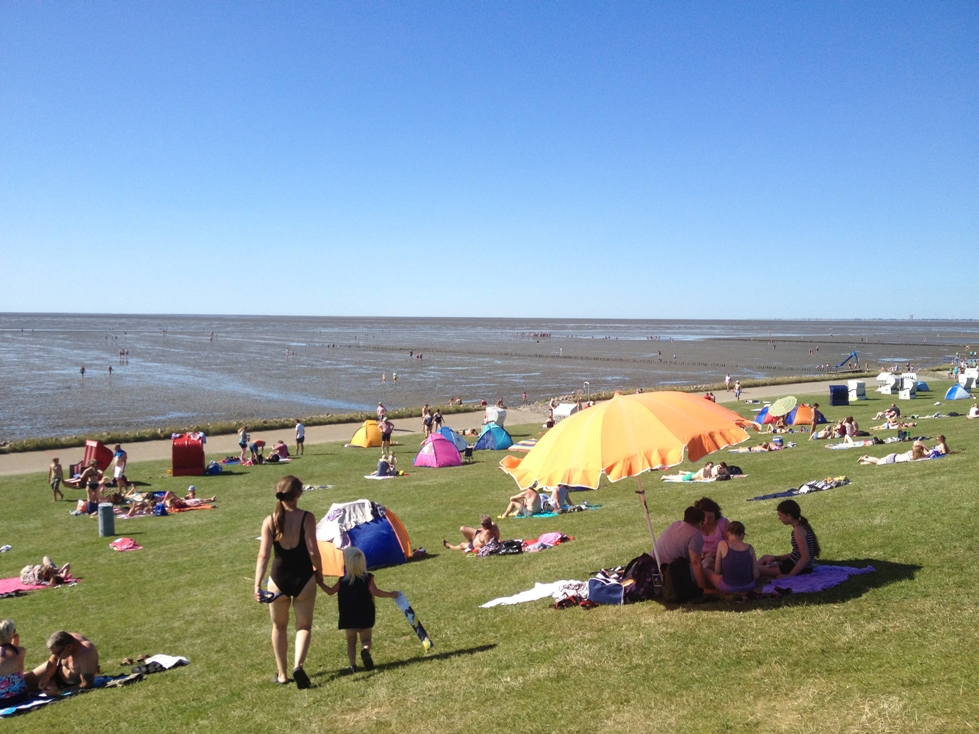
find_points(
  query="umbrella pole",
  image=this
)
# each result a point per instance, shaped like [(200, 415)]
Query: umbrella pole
[(649, 521)]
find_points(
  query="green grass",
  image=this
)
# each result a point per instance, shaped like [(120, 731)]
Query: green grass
[(889, 651)]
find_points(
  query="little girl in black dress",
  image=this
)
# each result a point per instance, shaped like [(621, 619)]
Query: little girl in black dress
[(356, 603)]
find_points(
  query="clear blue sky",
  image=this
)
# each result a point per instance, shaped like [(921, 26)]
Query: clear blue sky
[(587, 159)]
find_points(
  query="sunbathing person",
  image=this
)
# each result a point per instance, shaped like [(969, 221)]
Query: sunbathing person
[(940, 448), (761, 448), (73, 665), (173, 502), (44, 574), (918, 451), (973, 411), (476, 538), (524, 504)]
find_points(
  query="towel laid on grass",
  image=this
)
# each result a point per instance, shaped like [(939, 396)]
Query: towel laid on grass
[(821, 578), (540, 591), (816, 485), (40, 699), (683, 478), (854, 444), (572, 508), (14, 584), (125, 544)]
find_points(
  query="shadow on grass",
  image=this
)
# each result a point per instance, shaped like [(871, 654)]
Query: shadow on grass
[(328, 677), (853, 588)]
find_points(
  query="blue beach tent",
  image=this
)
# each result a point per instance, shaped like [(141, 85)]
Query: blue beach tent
[(455, 438), (957, 392), (493, 438), (923, 386)]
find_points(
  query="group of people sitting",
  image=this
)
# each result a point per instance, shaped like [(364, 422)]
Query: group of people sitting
[(387, 466), (847, 429), (72, 665), (711, 549)]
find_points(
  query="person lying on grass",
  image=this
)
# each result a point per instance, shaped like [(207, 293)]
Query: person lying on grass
[(44, 574), (805, 546), (918, 451), (173, 502), (487, 532)]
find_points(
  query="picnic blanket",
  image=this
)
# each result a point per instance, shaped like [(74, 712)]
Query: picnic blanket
[(540, 591), (816, 485), (515, 547), (821, 578)]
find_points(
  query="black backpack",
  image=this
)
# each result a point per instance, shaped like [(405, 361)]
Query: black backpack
[(678, 583), (642, 571)]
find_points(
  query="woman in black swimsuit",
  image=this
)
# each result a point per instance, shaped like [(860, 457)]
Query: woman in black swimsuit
[(296, 571)]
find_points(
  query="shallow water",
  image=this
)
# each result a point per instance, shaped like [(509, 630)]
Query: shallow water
[(187, 369)]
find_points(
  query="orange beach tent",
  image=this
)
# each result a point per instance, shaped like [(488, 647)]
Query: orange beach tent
[(367, 436)]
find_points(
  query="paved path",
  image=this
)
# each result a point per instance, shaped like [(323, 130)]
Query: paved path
[(38, 461)]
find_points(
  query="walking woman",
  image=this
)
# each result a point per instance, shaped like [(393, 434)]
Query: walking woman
[(296, 571)]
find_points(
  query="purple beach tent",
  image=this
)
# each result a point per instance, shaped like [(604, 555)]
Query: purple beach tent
[(438, 451)]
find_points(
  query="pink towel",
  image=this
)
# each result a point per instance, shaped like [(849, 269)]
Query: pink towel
[(125, 544), (14, 584)]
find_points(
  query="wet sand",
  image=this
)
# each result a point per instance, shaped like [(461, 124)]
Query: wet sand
[(220, 446)]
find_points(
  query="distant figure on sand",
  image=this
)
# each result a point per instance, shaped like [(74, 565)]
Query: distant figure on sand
[(737, 390)]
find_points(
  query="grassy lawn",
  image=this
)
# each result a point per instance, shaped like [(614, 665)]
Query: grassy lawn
[(889, 651)]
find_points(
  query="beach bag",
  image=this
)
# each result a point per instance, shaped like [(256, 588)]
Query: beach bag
[(641, 570), (509, 548), (678, 583), (213, 468), (160, 510), (273, 459), (605, 591), (734, 471)]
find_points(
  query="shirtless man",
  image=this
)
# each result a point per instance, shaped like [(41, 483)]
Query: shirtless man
[(73, 665), (476, 537), (524, 503)]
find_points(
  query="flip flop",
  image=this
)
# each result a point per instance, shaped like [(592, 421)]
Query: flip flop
[(302, 680), (275, 679)]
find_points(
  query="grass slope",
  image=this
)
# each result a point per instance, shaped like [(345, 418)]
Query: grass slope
[(889, 651)]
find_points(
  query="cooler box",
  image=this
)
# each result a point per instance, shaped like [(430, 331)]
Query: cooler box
[(188, 456), (839, 395)]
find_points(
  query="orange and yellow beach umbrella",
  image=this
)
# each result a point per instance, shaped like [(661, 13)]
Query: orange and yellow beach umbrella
[(626, 436)]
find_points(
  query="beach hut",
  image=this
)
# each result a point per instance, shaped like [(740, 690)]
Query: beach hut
[(367, 436), (493, 438), (367, 525), (957, 392), (93, 450), (492, 414), (438, 451), (564, 410), (458, 441)]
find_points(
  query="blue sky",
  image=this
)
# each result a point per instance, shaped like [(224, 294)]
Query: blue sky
[(606, 160)]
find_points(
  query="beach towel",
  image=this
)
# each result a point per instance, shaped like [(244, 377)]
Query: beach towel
[(683, 478), (13, 584), (195, 507), (526, 445), (125, 544), (540, 591), (816, 485), (40, 699), (821, 578), (573, 508), (839, 446), (374, 476), (747, 450)]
